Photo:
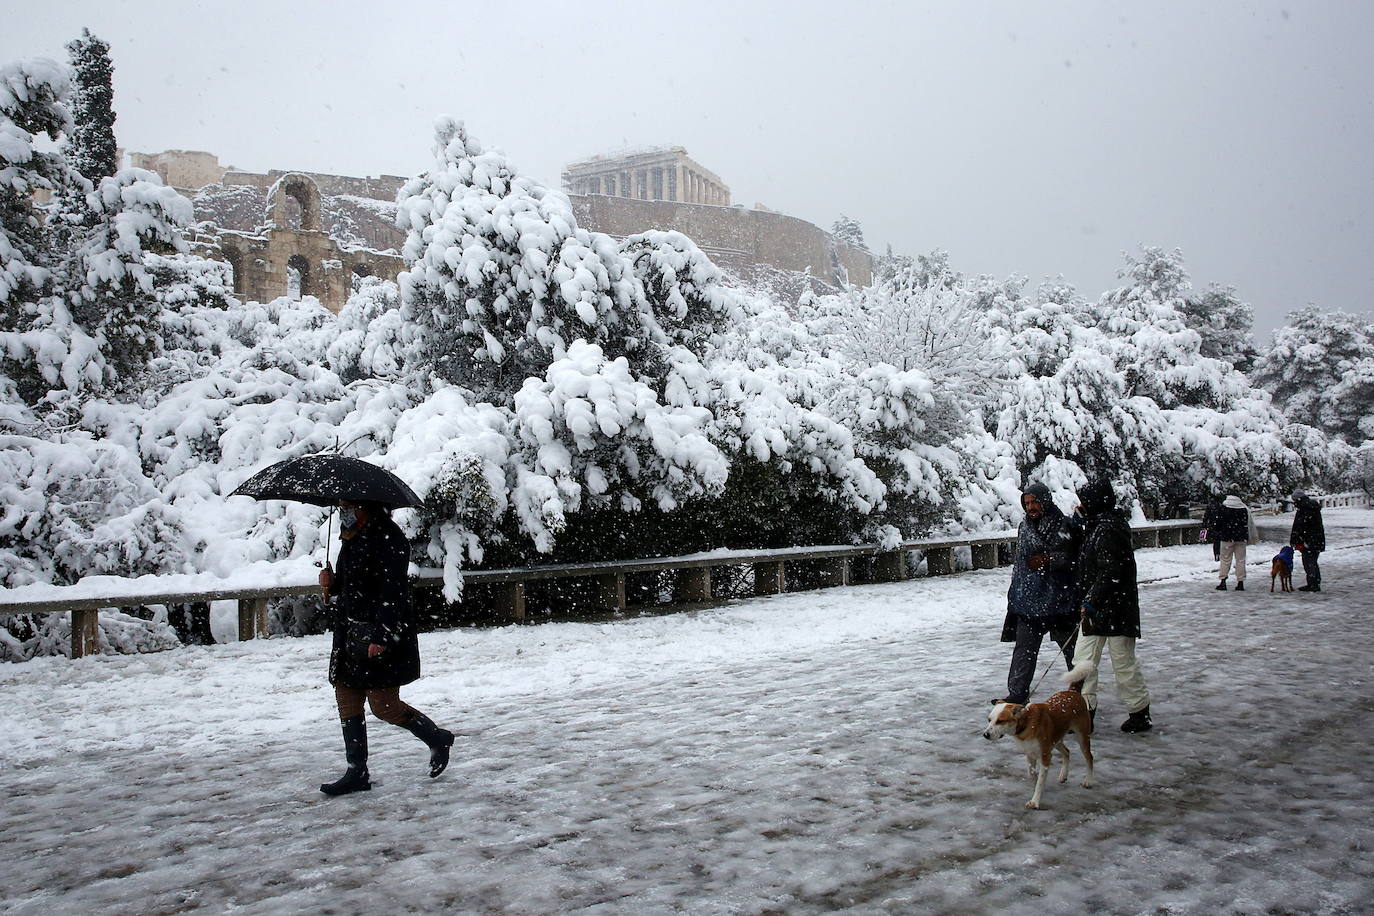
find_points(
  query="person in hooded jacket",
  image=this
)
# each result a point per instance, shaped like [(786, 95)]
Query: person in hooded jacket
[(1232, 529), (1110, 606), (1042, 597), (1308, 537), (375, 650)]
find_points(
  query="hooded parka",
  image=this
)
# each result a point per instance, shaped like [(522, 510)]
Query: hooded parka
[(1106, 567), (1308, 529), (372, 605), (1051, 591)]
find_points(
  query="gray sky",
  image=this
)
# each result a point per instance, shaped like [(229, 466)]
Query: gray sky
[(1034, 138)]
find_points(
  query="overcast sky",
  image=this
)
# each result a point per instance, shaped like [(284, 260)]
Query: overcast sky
[(1023, 137)]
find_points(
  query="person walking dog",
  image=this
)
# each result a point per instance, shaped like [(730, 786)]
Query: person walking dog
[(375, 650), (1110, 607), (1042, 597), (1233, 530), (1309, 537)]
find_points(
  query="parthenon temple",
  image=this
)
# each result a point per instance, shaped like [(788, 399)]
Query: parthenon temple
[(662, 173)]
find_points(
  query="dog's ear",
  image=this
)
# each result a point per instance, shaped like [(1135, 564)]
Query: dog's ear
[(1017, 712)]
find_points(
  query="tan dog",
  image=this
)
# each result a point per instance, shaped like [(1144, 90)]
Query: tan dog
[(1039, 730)]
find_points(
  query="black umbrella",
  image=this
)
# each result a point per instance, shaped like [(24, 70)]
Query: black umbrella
[(323, 480)]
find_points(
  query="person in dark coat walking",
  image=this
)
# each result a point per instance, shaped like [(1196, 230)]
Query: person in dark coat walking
[(375, 650), (1309, 537), (1110, 606), (1042, 597)]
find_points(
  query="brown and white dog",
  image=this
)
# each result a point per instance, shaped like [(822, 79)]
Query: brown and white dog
[(1039, 730)]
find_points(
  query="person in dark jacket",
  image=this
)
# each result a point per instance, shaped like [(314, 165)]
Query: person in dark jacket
[(1232, 530), (1042, 597), (1110, 606), (375, 650), (1309, 537)]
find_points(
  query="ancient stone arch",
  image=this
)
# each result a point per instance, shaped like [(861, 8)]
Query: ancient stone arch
[(298, 189), (300, 265), (235, 259)]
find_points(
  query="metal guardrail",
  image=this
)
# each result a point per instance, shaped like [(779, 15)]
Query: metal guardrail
[(508, 585)]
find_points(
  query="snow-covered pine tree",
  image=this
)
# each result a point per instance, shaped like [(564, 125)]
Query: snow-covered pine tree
[(1224, 323), (91, 146), (685, 289), (502, 280), (1320, 370), (848, 230), (31, 104)]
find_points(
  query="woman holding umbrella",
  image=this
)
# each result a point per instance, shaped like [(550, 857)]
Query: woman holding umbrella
[(375, 650)]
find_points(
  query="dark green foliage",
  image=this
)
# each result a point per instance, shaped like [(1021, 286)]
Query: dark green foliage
[(91, 147)]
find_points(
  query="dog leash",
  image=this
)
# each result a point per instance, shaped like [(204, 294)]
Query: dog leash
[(1077, 632)]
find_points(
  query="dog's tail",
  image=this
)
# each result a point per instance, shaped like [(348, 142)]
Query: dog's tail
[(1077, 673)]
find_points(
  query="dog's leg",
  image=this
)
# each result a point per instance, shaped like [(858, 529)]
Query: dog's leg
[(1041, 772), (1063, 750), (1271, 582), (1085, 745)]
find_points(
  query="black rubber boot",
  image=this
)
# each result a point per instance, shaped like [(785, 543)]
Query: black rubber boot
[(438, 739), (1222, 586), (355, 778), (1240, 586), (1138, 721)]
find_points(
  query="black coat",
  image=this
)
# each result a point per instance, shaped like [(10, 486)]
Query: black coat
[(1106, 577), (372, 605), (1308, 529), (1050, 592)]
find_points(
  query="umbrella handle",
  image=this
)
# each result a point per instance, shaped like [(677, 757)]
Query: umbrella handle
[(328, 542)]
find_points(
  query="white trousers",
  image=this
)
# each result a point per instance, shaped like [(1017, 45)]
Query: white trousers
[(1130, 682), (1230, 550)]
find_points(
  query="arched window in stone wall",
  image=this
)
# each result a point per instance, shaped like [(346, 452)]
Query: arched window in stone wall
[(296, 203), (298, 277), (235, 259), (355, 276)]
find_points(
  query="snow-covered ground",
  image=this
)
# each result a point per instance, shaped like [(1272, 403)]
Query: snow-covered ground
[(805, 753)]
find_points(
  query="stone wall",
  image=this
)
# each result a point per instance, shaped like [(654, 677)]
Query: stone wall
[(734, 237), (187, 169)]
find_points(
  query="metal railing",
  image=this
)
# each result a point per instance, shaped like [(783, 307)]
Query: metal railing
[(770, 570)]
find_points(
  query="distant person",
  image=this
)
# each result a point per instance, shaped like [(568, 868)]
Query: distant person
[(1233, 530), (1042, 597), (1110, 607), (375, 650), (1309, 538), (1209, 524)]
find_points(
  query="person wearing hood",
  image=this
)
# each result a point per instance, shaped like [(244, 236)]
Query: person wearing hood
[(1233, 528), (1309, 538), (1110, 607), (1042, 597), (375, 651)]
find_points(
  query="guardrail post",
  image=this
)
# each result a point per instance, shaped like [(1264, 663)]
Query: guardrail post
[(769, 578), (694, 584), (252, 618), (85, 632), (835, 571), (510, 599), (984, 556), (1146, 537), (939, 561), (890, 566), (610, 591)]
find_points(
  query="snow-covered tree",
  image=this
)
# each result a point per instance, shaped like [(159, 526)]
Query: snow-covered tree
[(1320, 370), (848, 230), (31, 105), (91, 147), (1224, 323), (502, 280)]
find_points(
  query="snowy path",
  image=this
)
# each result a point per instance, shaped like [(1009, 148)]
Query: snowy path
[(812, 752)]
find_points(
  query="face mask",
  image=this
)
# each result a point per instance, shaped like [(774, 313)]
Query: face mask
[(348, 516)]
